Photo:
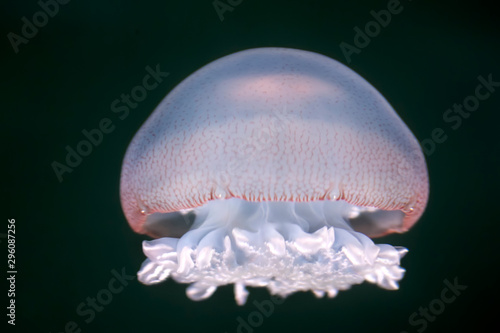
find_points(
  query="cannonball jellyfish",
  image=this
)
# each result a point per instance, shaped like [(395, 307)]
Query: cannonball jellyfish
[(273, 167)]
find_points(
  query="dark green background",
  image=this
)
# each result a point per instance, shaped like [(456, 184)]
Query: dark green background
[(70, 235)]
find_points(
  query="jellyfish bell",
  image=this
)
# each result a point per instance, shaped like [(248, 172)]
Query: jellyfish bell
[(273, 167)]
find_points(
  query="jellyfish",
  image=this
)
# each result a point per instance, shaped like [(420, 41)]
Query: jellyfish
[(273, 167)]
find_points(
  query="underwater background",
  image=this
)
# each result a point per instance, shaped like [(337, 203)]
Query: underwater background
[(64, 76)]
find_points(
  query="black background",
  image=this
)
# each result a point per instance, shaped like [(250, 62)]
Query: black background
[(70, 235)]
